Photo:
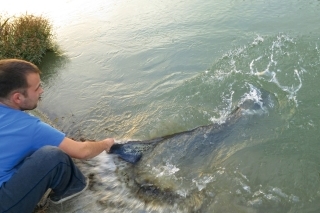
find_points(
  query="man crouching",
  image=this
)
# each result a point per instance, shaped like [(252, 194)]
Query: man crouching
[(33, 155)]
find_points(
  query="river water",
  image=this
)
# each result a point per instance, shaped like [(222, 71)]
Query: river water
[(141, 69)]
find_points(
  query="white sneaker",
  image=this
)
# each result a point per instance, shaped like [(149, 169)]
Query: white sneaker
[(73, 195)]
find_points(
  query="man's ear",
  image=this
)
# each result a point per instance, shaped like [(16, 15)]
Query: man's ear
[(16, 98)]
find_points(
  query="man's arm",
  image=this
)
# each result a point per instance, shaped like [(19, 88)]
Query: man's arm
[(86, 149)]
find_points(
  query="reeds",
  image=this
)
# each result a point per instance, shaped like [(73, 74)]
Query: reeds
[(25, 37)]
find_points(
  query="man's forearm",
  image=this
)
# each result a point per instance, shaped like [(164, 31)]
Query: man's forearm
[(86, 149)]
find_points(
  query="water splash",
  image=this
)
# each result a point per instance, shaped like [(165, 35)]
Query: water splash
[(202, 182), (166, 170), (277, 71)]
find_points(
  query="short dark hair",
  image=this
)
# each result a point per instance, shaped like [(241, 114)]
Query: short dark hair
[(13, 75)]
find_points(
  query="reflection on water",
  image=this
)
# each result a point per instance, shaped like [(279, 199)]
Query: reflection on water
[(50, 66)]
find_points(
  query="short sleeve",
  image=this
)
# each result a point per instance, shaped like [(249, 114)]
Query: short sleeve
[(44, 134)]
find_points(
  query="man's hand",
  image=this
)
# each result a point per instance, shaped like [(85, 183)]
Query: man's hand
[(109, 143)]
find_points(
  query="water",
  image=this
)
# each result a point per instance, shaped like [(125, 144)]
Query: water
[(140, 70)]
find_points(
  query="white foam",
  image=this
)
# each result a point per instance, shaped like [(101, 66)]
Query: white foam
[(166, 170), (202, 182)]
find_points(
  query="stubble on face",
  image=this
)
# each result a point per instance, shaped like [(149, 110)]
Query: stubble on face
[(33, 93)]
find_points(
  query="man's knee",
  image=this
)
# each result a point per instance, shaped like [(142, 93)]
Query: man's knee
[(51, 154), (49, 149)]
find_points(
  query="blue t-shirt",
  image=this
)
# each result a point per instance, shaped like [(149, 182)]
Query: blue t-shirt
[(20, 135)]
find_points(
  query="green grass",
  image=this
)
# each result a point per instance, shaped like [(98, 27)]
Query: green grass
[(25, 37)]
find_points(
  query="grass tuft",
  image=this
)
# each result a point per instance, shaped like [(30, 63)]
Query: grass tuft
[(25, 37)]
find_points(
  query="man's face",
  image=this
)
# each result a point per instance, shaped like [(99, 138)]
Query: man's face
[(33, 93)]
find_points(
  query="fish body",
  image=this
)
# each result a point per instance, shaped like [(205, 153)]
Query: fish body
[(173, 169)]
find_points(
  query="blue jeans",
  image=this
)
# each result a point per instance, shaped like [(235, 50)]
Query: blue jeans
[(48, 167)]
